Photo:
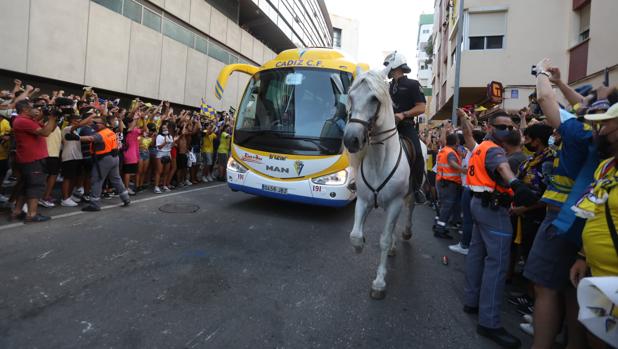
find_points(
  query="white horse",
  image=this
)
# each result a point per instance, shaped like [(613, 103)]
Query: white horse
[(381, 165)]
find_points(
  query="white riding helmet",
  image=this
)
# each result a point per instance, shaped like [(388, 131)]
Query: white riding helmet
[(395, 60)]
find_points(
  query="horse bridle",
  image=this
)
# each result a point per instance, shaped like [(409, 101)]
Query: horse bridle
[(368, 125)]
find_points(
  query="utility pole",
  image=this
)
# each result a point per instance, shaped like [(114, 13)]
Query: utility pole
[(457, 62)]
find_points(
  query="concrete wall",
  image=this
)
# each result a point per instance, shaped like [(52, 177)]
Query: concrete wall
[(349, 35), (81, 42), (602, 49)]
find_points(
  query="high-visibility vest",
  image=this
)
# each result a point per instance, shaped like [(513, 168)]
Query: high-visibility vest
[(445, 171), (110, 142), (477, 178)]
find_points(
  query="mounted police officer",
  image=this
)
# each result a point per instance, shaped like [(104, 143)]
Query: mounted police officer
[(408, 102), (494, 188), (104, 148)]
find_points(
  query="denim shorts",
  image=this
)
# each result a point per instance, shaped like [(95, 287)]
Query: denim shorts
[(144, 155), (551, 257), (207, 159)]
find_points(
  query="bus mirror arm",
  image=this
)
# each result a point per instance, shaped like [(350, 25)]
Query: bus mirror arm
[(225, 73)]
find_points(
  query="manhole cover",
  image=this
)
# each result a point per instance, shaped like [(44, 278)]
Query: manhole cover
[(179, 208)]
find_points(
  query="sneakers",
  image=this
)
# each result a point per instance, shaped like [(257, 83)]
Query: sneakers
[(3, 199), (523, 299), (188, 183), (157, 190), (37, 219), (205, 179), (166, 189), (459, 249), (75, 198), (68, 203), (524, 309), (126, 203), (86, 197), (528, 318), (500, 336), (91, 208), (441, 232), (46, 203), (17, 217), (131, 192), (527, 328)]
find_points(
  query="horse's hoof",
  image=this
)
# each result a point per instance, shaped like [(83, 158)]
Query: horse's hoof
[(377, 294), (406, 235), (392, 252), (358, 243)]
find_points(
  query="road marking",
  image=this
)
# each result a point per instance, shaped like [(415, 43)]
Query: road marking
[(161, 196)]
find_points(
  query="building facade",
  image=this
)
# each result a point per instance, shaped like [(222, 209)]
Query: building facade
[(346, 35), (423, 61), (157, 49), (502, 39)]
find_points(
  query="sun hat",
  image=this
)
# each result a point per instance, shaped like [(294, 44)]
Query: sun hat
[(611, 113), (598, 306)]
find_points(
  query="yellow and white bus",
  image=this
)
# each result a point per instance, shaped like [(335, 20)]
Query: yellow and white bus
[(287, 140)]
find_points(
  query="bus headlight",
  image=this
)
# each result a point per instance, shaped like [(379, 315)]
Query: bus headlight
[(337, 178), (233, 165)]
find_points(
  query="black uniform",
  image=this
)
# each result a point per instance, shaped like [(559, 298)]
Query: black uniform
[(406, 93)]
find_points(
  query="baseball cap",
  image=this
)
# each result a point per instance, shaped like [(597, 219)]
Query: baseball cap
[(611, 113)]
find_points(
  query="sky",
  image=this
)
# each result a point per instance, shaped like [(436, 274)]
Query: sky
[(384, 25)]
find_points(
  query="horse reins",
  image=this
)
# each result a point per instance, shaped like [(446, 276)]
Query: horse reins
[(376, 191), (367, 126)]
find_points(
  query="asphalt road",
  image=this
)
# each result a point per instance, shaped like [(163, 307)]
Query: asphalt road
[(241, 272)]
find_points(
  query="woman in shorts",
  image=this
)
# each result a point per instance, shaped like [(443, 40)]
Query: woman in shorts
[(164, 143), (145, 145), (131, 153)]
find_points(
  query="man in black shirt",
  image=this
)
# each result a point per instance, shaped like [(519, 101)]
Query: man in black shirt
[(408, 102)]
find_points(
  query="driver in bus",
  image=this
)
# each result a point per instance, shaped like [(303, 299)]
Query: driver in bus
[(408, 102)]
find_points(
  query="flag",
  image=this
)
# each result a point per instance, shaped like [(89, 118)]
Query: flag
[(207, 110)]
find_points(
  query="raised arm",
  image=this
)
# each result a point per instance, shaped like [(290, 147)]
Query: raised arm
[(570, 94), (466, 127), (546, 96)]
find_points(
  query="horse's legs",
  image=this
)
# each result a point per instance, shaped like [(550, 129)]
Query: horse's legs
[(361, 211), (407, 232), (378, 288)]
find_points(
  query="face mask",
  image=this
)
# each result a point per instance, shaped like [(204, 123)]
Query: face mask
[(501, 135), (116, 123), (165, 133), (551, 141), (604, 147)]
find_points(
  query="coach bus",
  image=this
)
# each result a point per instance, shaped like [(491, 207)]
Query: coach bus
[(287, 140)]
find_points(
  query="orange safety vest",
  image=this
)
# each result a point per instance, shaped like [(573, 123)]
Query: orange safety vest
[(445, 171), (110, 142), (477, 178)]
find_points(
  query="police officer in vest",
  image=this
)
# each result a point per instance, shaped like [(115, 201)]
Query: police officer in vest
[(493, 185), (408, 102), (104, 146), (448, 183)]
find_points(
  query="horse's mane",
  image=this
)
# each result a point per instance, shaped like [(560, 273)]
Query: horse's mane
[(375, 82)]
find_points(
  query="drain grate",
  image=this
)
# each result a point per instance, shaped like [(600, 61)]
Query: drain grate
[(179, 208)]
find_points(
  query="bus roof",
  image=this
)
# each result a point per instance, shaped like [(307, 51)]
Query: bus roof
[(325, 58)]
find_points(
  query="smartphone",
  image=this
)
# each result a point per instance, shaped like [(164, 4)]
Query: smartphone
[(533, 70)]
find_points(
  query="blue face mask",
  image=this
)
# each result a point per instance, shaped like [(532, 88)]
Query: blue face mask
[(501, 135), (551, 141)]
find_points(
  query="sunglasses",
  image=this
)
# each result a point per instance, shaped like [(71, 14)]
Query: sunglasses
[(504, 127)]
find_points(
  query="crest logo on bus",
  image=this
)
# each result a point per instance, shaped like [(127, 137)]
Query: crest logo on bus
[(298, 166)]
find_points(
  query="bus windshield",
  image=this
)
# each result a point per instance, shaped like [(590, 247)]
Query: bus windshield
[(294, 111)]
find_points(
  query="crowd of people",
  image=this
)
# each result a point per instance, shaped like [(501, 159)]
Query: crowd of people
[(531, 194), (101, 148)]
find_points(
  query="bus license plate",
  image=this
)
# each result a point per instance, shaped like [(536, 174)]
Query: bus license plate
[(274, 189)]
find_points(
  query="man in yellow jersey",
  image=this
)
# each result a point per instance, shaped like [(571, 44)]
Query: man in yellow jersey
[(208, 153)]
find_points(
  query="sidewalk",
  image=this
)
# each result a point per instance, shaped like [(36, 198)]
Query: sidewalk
[(60, 211)]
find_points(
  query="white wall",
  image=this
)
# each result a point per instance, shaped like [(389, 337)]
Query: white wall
[(107, 64), (79, 41), (57, 39), (349, 35), (14, 30)]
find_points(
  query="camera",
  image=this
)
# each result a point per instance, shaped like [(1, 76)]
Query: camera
[(533, 70)]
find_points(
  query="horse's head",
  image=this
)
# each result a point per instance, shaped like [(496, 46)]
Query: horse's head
[(368, 100)]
